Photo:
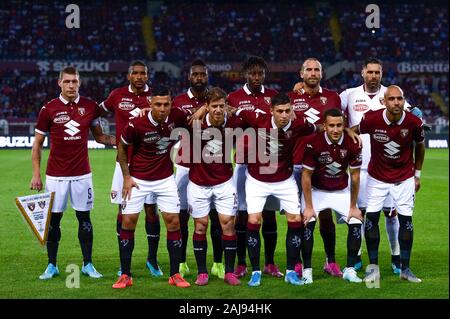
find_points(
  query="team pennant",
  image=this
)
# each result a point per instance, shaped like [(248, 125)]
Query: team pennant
[(37, 211)]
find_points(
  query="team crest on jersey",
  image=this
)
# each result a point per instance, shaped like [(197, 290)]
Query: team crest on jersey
[(343, 153), (149, 99), (41, 204), (113, 194), (404, 132), (81, 111), (323, 100), (267, 99), (31, 206)]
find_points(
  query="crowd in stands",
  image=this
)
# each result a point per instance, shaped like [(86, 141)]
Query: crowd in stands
[(37, 30)]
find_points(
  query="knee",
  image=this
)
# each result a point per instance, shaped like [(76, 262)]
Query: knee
[(172, 222), (128, 222), (201, 226), (254, 219), (228, 227)]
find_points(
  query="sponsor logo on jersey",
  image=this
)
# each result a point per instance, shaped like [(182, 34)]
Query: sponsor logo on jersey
[(360, 107), (311, 115), (391, 148), (72, 128), (323, 100), (61, 119), (267, 99), (300, 106), (246, 107), (214, 147), (162, 145), (382, 138), (126, 106), (151, 137), (325, 159), (404, 132), (81, 111), (333, 168), (187, 106), (343, 153)]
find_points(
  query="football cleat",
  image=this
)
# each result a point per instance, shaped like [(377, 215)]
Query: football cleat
[(184, 269), (255, 280), (50, 272), (177, 280), (408, 275), (240, 271), (89, 270), (372, 273), (231, 279), (202, 279), (299, 269), (124, 281), (218, 270), (307, 276), (333, 269), (292, 278), (273, 270), (351, 275), (396, 270), (155, 272)]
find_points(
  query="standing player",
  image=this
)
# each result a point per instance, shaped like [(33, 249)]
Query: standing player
[(274, 178), (195, 97), (325, 185), (210, 182), (356, 102), (150, 173), (398, 151), (67, 120), (126, 102), (255, 97), (312, 101)]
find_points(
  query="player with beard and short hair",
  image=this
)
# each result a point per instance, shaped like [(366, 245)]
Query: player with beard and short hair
[(126, 102), (67, 120), (312, 101), (195, 97), (254, 97), (397, 154)]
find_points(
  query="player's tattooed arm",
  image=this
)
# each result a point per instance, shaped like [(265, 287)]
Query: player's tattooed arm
[(101, 137), (128, 182), (36, 155), (298, 87)]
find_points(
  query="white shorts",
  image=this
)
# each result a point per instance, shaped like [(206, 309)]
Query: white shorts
[(285, 191), (223, 196), (164, 190), (182, 180), (117, 185), (239, 178), (362, 195), (402, 195), (80, 189), (339, 201)]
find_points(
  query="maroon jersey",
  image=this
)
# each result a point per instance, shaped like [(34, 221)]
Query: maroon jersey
[(313, 108), (330, 161), (125, 104), (282, 147), (68, 126), (217, 169), (244, 99), (391, 144), (186, 101), (151, 145)]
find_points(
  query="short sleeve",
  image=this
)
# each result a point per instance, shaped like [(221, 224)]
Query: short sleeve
[(128, 133), (344, 100), (108, 104), (419, 133), (364, 125), (43, 122), (308, 157), (355, 160), (180, 116), (248, 117)]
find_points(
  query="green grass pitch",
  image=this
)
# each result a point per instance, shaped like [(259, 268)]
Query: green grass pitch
[(23, 260)]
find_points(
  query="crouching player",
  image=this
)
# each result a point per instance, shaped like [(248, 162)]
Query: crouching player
[(210, 182), (325, 185)]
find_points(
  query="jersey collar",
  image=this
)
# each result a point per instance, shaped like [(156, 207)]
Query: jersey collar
[(150, 117), (146, 88), (329, 142), (209, 123), (62, 99), (247, 90), (389, 122), (285, 128)]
